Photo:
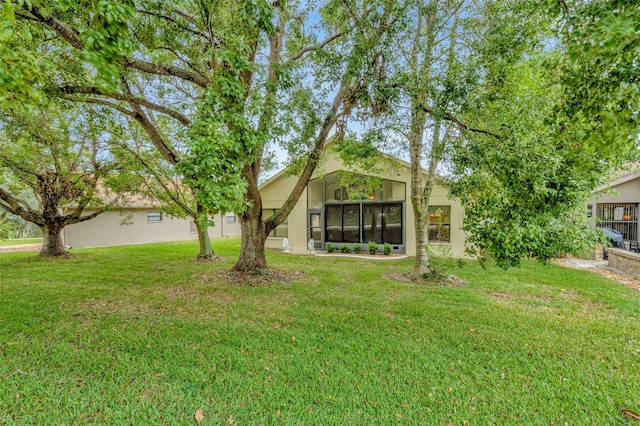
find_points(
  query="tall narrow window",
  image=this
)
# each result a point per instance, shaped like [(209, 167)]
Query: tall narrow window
[(440, 224)]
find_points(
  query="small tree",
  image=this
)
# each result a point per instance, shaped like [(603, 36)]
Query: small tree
[(58, 155)]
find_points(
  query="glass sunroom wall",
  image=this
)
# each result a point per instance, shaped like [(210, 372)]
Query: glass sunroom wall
[(314, 194), (351, 223), (333, 232), (371, 222), (333, 192), (394, 191), (392, 230)]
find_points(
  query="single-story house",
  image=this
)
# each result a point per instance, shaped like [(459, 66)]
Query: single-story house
[(338, 206), (343, 207), (140, 223), (615, 205)]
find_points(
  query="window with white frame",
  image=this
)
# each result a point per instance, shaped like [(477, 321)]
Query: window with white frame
[(230, 218)]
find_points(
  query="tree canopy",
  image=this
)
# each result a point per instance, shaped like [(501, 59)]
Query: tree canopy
[(53, 153)]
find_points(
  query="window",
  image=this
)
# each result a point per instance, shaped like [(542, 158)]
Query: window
[(193, 229), (343, 223), (282, 230), (154, 217), (381, 223), (348, 187), (621, 217), (440, 224), (230, 218)]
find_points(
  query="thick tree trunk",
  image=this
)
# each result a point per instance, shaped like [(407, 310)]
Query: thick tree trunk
[(252, 256), (52, 244)]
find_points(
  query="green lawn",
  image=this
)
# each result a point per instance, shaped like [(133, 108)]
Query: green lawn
[(145, 335), (20, 241)]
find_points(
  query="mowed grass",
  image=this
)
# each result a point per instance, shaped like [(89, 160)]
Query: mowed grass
[(145, 335)]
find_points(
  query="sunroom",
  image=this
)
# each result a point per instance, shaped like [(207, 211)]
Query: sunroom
[(345, 207)]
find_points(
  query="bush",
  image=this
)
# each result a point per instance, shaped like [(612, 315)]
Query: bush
[(386, 250), (373, 247), (356, 247), (330, 247), (344, 248)]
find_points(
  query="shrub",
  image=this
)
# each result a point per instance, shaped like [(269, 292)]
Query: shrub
[(344, 248), (356, 247), (373, 247), (386, 250), (330, 247), (439, 259)]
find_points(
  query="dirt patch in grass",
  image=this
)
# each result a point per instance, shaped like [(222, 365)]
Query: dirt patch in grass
[(442, 280), (22, 247), (211, 258), (261, 277)]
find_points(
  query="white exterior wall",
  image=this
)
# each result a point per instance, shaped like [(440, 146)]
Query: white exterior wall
[(131, 227)]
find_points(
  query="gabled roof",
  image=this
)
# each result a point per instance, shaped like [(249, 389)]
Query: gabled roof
[(382, 155)]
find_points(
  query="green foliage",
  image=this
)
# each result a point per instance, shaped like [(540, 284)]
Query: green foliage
[(330, 247), (523, 187), (372, 246), (386, 249), (5, 225), (356, 247), (598, 75), (344, 248)]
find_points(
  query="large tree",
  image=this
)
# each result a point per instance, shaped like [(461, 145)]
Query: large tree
[(57, 154), (437, 62), (237, 76), (569, 117)]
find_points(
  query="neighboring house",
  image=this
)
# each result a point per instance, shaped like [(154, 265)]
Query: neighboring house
[(380, 210), (140, 223), (615, 205)]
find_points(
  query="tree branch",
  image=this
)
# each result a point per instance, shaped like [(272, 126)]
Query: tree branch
[(127, 98), (178, 24), (461, 124), (316, 46), (71, 35), (13, 205), (312, 162)]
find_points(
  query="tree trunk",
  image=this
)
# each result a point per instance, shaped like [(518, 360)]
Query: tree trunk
[(420, 216), (206, 249), (252, 256), (422, 197), (202, 227), (52, 244)]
